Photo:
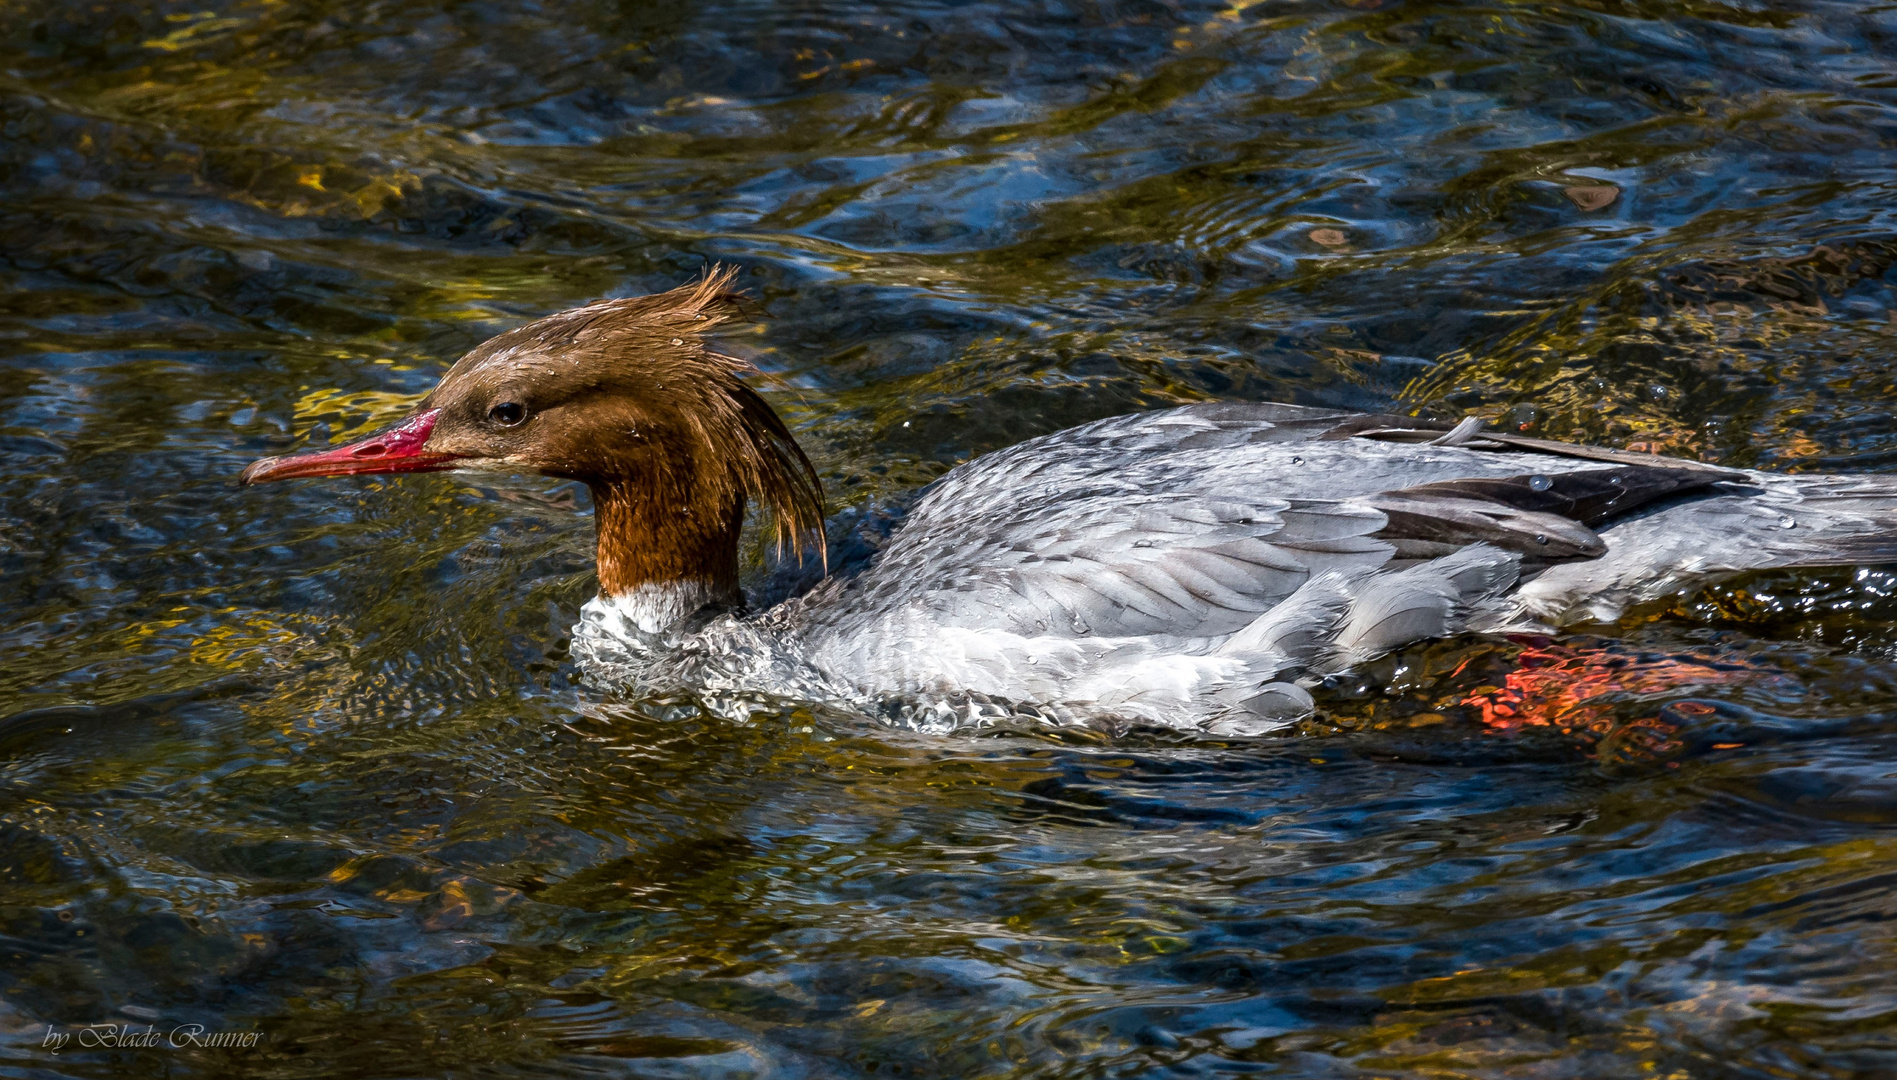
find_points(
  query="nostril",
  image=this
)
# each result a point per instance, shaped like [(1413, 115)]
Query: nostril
[(371, 450)]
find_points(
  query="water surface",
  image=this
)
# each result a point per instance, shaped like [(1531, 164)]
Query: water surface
[(310, 760)]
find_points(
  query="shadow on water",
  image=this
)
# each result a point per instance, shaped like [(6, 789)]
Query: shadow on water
[(309, 762)]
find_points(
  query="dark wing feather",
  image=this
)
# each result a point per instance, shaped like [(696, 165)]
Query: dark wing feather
[(1451, 521), (1548, 516)]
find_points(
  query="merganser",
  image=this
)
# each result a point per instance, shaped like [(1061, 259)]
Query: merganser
[(1197, 567)]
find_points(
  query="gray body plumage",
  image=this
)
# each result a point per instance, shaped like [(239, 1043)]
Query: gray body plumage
[(1190, 567)]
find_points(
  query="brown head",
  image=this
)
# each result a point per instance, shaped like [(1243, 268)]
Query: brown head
[(625, 396)]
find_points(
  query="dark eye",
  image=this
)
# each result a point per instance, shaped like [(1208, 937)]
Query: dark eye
[(508, 413)]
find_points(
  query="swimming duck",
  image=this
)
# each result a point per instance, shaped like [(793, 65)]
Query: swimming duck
[(1196, 567)]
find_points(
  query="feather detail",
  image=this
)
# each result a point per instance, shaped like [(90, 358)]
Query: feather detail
[(1431, 600)]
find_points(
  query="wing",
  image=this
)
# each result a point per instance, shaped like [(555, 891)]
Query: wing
[(1190, 523), (1120, 562), (1546, 516)]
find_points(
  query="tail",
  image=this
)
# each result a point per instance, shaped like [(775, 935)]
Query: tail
[(1770, 522), (1838, 521)]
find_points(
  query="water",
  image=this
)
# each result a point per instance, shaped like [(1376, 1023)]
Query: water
[(309, 761)]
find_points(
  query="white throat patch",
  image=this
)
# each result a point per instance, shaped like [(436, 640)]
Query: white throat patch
[(647, 610)]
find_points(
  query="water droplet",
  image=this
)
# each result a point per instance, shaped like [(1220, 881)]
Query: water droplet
[(1297, 460), (1540, 539), (1787, 523), (678, 341), (1540, 483), (1142, 543)]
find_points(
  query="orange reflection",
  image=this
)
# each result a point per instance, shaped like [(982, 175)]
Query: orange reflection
[(1552, 687)]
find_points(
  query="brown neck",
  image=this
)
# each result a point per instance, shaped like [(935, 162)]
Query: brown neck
[(649, 538)]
